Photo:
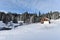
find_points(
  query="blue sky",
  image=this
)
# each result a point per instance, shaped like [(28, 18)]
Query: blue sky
[(20, 6)]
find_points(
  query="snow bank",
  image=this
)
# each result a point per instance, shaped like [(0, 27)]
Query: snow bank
[(20, 21), (2, 24), (46, 22), (35, 31)]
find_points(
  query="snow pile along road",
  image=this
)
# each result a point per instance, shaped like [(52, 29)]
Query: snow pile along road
[(35, 31)]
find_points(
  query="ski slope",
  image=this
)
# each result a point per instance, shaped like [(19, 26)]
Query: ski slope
[(35, 31)]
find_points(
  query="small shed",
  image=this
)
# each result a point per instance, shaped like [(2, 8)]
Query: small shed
[(45, 20)]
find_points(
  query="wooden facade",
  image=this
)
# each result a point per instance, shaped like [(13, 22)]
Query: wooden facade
[(44, 19)]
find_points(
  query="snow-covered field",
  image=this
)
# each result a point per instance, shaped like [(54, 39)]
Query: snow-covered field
[(35, 31)]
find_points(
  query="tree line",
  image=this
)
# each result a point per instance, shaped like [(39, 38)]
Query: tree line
[(27, 17)]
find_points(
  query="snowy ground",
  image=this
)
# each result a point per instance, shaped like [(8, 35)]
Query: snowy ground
[(35, 31)]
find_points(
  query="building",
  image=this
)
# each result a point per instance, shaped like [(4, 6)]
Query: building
[(55, 15)]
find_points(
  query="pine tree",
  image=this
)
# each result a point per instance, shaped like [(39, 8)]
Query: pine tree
[(39, 13)]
